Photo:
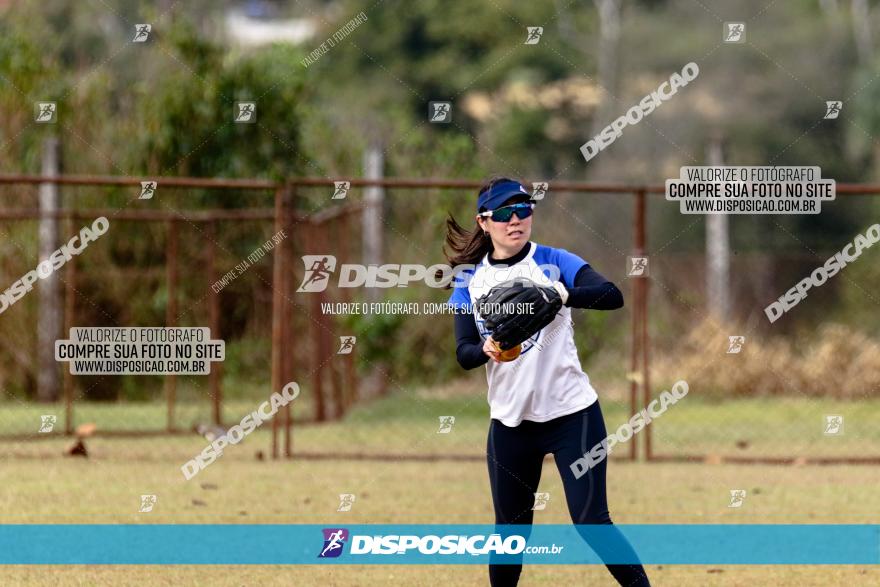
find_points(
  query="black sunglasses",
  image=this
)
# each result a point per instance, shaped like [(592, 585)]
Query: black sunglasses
[(522, 210)]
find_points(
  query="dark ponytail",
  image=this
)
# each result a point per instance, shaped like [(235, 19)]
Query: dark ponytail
[(463, 246)]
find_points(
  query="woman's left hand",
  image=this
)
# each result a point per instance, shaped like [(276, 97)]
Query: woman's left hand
[(490, 347)]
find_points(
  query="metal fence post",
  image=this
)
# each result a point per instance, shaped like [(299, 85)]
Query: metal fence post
[(278, 268), (214, 378), (642, 301), (318, 339), (634, 331), (351, 393), (287, 358), (171, 276)]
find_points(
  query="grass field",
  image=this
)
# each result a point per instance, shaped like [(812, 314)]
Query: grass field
[(406, 423), (40, 486)]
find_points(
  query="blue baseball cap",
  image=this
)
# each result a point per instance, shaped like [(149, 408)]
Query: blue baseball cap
[(500, 193)]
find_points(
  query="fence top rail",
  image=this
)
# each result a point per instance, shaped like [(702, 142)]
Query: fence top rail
[(388, 182), (147, 215), (458, 184), (162, 181), (256, 184), (562, 186)]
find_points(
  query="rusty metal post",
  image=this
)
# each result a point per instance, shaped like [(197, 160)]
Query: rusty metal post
[(284, 413), (645, 342), (216, 374), (69, 321), (633, 365), (171, 278), (638, 227), (336, 383), (640, 320), (316, 326), (288, 366), (351, 393), (278, 269), (334, 371), (326, 351)]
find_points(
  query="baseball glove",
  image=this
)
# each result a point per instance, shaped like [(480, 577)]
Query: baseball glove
[(508, 315)]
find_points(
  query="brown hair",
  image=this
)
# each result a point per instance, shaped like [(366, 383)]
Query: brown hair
[(468, 247)]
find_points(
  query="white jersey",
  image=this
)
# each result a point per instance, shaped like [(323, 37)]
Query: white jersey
[(546, 381)]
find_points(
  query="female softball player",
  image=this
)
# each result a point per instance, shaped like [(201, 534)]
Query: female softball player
[(541, 402)]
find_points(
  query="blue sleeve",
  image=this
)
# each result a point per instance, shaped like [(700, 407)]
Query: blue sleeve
[(461, 295), (460, 299), (568, 263)]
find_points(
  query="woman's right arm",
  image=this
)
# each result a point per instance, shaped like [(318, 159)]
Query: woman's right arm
[(469, 344)]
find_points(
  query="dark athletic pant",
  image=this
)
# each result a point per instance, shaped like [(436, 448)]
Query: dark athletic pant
[(515, 456)]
